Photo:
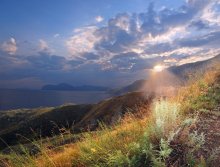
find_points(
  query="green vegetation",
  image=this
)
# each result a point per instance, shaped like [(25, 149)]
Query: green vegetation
[(164, 135), (133, 143), (44, 122), (203, 94), (38, 123)]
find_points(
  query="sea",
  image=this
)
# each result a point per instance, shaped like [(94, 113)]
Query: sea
[(19, 99)]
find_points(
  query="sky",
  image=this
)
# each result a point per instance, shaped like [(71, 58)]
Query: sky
[(102, 42)]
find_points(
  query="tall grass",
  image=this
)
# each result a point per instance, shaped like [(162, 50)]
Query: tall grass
[(204, 93), (135, 141), (40, 152)]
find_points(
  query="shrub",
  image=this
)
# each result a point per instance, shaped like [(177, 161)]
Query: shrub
[(134, 143)]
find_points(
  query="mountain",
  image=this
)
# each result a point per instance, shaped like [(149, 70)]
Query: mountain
[(133, 87), (68, 87), (185, 71), (193, 114), (48, 121), (173, 76)]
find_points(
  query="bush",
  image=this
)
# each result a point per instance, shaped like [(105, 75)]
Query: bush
[(135, 143)]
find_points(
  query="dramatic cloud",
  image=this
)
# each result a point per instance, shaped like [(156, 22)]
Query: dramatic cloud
[(10, 46), (124, 48), (190, 30)]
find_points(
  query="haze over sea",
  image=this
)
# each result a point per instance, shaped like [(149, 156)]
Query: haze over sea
[(14, 99)]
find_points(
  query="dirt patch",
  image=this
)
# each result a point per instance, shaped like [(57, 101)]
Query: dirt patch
[(209, 124)]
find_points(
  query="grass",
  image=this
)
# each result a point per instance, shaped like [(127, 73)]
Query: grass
[(133, 143), (38, 123), (152, 139), (204, 94)]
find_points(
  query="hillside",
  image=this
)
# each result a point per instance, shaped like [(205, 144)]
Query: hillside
[(135, 86), (135, 129), (112, 110), (188, 70), (38, 122), (175, 75), (177, 131), (47, 121)]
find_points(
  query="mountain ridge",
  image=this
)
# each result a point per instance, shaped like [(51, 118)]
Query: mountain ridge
[(182, 73)]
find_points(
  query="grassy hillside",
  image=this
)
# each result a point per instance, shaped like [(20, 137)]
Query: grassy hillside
[(135, 86), (176, 131), (178, 75), (112, 110), (16, 125), (192, 70)]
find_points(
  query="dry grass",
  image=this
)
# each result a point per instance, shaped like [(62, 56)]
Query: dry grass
[(195, 96), (142, 140), (124, 143), (62, 158)]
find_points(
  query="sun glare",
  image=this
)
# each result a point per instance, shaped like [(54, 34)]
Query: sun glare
[(158, 68)]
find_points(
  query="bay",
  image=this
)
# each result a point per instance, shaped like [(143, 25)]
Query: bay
[(16, 99)]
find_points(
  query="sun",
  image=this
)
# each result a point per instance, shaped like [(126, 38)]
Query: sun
[(158, 68)]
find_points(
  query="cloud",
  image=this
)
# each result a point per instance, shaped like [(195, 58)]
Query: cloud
[(199, 24), (210, 38), (47, 62), (99, 19), (154, 33), (56, 35), (83, 40), (133, 41), (126, 46), (10, 63), (43, 47), (211, 13), (10, 46)]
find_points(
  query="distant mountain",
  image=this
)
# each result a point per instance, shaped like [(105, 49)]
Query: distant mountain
[(175, 75), (68, 87)]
